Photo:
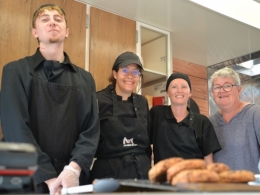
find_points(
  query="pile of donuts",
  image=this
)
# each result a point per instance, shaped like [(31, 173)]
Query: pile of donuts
[(177, 170)]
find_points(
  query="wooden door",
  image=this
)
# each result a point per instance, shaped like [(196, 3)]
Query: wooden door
[(110, 35), (16, 40)]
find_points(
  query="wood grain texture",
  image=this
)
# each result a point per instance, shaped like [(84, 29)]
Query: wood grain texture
[(189, 68), (203, 106), (14, 33), (199, 88), (110, 35)]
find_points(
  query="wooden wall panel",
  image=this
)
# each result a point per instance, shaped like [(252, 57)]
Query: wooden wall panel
[(203, 106), (199, 82), (110, 35), (16, 40), (15, 30), (190, 68), (199, 87)]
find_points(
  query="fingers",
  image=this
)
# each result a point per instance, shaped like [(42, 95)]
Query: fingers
[(58, 191), (55, 187)]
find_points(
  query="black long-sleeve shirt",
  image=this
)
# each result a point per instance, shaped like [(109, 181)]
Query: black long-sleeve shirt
[(15, 96)]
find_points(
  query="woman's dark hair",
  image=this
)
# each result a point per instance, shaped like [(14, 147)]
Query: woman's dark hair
[(112, 80)]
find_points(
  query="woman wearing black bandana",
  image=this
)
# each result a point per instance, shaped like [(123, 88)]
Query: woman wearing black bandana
[(179, 132)]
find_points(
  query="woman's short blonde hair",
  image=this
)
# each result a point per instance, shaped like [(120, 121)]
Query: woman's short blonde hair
[(224, 73)]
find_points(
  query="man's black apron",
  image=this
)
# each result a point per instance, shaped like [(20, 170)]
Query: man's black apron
[(174, 140), (117, 154), (53, 118)]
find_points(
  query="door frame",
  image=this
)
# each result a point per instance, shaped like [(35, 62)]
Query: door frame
[(139, 25)]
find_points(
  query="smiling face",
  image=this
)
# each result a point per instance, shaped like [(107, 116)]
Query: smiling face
[(179, 92), (226, 100), (50, 27), (126, 83)]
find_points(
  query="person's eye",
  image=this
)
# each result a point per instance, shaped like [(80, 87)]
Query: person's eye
[(44, 19), (58, 19), (226, 86), (136, 72), (184, 87), (216, 88), (174, 87), (125, 71)]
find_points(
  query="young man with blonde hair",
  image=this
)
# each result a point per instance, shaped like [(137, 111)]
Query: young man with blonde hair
[(51, 103)]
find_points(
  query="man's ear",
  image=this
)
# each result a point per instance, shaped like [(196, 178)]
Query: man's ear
[(67, 33), (34, 33)]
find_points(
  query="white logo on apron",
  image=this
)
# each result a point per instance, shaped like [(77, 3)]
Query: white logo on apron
[(128, 142)]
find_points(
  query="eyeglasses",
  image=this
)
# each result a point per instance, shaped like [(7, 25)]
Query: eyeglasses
[(126, 71), (226, 87)]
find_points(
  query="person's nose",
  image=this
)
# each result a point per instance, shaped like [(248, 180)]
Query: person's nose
[(130, 75), (179, 89), (52, 22), (222, 89)]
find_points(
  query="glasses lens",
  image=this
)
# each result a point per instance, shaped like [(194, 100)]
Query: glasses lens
[(227, 87), (135, 73), (124, 71), (216, 88)]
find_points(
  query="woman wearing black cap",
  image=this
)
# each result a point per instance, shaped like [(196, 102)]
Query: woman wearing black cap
[(124, 150), (176, 130)]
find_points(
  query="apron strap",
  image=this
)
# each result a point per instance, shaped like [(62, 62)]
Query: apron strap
[(115, 106)]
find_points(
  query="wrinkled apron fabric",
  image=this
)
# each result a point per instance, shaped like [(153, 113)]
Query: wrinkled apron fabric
[(52, 123), (118, 155)]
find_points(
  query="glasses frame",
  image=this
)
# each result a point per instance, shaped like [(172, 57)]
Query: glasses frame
[(130, 72), (222, 86)]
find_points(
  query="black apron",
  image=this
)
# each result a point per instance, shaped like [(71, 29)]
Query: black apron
[(122, 152), (174, 140), (53, 118)]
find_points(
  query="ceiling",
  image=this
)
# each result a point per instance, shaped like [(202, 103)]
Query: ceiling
[(199, 35)]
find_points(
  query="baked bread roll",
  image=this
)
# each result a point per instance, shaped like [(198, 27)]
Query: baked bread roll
[(158, 172), (239, 176), (218, 167), (194, 176), (185, 165)]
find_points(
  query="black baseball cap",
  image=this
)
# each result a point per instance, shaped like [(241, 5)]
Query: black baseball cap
[(127, 58)]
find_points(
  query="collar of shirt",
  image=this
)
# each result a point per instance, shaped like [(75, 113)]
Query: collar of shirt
[(169, 116), (38, 59), (119, 98)]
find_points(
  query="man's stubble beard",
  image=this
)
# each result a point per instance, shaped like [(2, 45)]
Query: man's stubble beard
[(53, 39)]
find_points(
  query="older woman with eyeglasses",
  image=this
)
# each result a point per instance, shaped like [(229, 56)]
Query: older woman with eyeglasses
[(124, 150), (237, 123)]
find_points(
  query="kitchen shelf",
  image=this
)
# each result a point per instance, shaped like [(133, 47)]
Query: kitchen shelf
[(151, 75)]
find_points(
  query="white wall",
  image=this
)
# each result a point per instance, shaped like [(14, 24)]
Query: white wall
[(154, 55)]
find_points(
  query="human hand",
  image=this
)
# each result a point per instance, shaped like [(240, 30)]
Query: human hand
[(50, 182), (69, 177)]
